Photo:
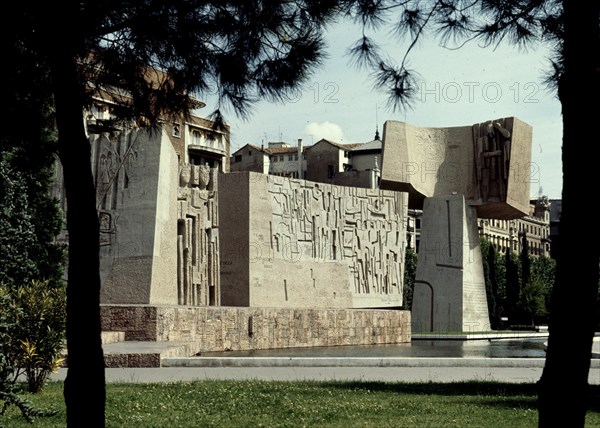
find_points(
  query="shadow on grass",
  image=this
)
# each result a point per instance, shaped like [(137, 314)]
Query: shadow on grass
[(453, 388), (527, 392)]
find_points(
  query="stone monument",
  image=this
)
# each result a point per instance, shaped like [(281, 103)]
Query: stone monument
[(299, 244), (456, 175)]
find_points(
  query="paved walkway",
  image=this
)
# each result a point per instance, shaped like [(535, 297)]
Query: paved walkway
[(447, 361), (448, 371)]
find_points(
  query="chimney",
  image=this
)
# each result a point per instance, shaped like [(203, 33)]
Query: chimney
[(300, 175)]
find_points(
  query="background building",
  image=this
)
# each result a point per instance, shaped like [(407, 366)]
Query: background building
[(535, 226), (555, 211), (326, 161)]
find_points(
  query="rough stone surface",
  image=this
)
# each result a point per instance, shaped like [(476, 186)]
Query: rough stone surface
[(227, 328), (296, 243)]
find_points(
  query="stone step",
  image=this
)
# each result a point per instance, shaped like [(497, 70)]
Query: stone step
[(146, 354)]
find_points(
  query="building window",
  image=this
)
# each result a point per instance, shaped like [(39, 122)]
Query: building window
[(99, 111), (196, 137), (290, 158), (296, 157), (238, 158), (176, 130), (281, 158), (210, 141)]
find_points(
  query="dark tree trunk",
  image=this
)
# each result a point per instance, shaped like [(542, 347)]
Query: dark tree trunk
[(85, 383), (563, 387)]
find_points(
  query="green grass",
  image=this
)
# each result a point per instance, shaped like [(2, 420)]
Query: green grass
[(307, 404)]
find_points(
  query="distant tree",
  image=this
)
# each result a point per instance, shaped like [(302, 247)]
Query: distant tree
[(525, 260), (543, 269), (532, 300), (410, 271), (495, 280), (513, 286), (488, 259)]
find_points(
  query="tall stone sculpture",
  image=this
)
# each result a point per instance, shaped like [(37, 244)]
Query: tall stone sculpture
[(159, 240), (456, 175)]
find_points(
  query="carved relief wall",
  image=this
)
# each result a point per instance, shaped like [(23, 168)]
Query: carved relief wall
[(362, 227), (197, 236), (294, 243), (159, 240), (492, 159)]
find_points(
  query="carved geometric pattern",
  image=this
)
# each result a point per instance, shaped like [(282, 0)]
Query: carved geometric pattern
[(326, 223), (197, 236)]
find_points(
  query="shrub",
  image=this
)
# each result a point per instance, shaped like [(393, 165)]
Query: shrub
[(9, 390), (36, 336)]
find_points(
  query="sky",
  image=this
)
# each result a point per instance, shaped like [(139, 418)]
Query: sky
[(457, 87)]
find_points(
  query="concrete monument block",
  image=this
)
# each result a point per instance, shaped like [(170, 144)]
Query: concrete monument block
[(136, 184), (296, 243), (159, 240), (456, 174), (489, 163), (449, 293)]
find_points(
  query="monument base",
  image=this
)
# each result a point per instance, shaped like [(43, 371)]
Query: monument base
[(208, 329), (449, 293)]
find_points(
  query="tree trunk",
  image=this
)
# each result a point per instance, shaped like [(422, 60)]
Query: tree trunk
[(84, 390), (563, 387)]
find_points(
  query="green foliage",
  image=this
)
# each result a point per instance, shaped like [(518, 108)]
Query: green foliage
[(9, 390), (544, 269), (533, 299), (513, 285), (489, 270), (410, 271), (29, 222), (17, 234), (525, 260), (35, 340), (510, 296)]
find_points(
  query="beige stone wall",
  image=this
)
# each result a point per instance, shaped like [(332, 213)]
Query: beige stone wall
[(301, 244), (449, 293), (159, 241), (197, 236), (136, 176), (226, 328)]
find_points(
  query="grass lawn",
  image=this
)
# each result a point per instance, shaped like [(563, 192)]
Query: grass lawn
[(307, 404)]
